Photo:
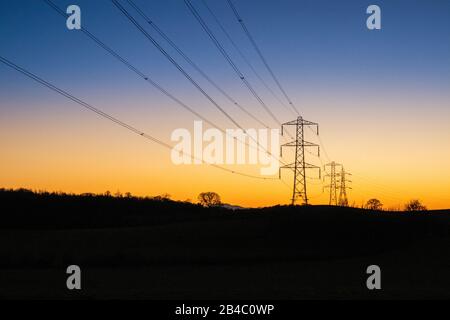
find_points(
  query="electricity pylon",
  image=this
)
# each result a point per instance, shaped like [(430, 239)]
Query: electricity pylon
[(343, 201), (300, 166), (333, 185)]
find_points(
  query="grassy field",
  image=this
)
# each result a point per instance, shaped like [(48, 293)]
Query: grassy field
[(159, 249)]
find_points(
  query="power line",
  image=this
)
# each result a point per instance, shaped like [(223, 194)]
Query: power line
[(259, 52), (333, 184), (229, 60), (192, 63), (300, 165), (169, 57), (244, 58), (135, 69), (247, 32), (111, 118), (253, 42), (323, 148), (380, 188), (343, 200), (147, 78)]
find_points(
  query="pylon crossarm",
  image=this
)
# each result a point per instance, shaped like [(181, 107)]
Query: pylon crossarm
[(299, 166), (289, 144), (331, 164), (288, 166), (309, 123), (304, 144), (311, 166), (307, 166), (301, 122), (290, 123), (309, 144)]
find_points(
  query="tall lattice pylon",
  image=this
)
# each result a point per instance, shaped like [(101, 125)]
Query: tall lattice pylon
[(333, 185), (300, 166), (343, 200)]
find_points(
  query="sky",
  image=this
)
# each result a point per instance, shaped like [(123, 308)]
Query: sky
[(381, 97)]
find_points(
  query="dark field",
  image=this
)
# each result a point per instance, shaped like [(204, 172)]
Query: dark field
[(159, 249)]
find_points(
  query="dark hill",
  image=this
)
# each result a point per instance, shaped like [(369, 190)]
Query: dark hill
[(277, 252)]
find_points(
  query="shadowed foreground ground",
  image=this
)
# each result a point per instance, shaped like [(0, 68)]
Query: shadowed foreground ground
[(159, 249)]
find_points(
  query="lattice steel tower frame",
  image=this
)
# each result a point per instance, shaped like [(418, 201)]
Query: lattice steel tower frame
[(333, 185), (300, 165), (343, 200)]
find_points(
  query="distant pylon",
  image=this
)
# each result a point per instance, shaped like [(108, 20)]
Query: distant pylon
[(343, 201), (300, 166), (333, 185)]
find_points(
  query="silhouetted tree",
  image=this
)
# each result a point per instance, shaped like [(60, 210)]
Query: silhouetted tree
[(163, 197), (209, 199), (374, 204), (415, 205)]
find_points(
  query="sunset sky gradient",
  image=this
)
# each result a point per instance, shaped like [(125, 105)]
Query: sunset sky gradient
[(382, 98)]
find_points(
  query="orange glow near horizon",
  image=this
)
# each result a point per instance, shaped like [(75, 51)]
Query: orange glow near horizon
[(78, 153)]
